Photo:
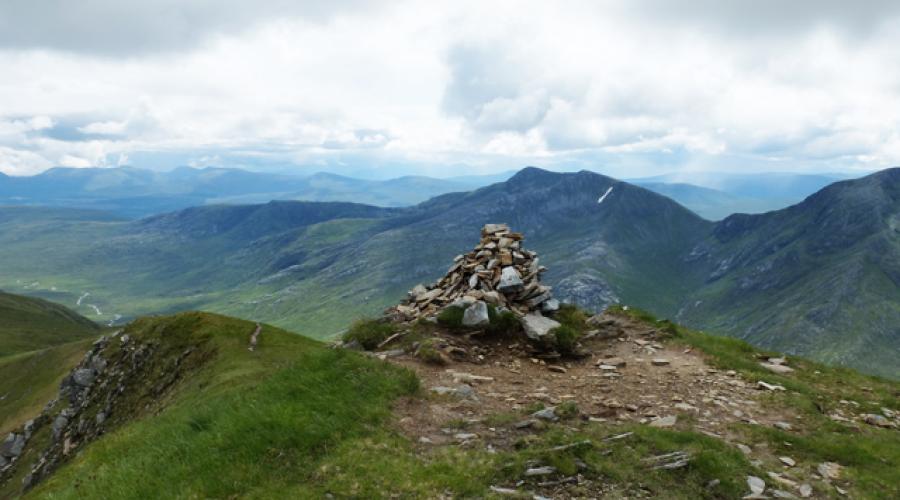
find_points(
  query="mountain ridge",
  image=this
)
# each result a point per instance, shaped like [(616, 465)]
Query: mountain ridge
[(634, 246)]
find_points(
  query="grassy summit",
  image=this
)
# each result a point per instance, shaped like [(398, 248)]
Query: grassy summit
[(297, 419)]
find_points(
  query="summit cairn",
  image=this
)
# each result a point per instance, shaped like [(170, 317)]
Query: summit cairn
[(498, 272)]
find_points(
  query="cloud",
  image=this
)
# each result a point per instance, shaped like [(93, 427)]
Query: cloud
[(629, 87), (124, 28)]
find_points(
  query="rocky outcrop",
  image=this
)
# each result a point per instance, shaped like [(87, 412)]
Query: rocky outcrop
[(119, 379)]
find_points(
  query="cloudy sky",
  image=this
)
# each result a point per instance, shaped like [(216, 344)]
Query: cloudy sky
[(628, 88)]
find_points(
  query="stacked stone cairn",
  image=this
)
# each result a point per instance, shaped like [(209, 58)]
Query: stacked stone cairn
[(499, 272)]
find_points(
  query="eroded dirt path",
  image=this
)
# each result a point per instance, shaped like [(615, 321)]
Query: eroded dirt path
[(484, 396)]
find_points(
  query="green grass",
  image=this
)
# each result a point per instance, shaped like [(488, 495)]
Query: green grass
[(451, 317), (369, 332), (29, 324), (29, 380), (565, 339), (246, 423)]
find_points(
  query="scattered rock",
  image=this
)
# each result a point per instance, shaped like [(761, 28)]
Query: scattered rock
[(757, 485), (783, 426), (461, 391), (546, 414), (614, 362), (669, 421), (790, 462), (556, 368), (781, 494), (769, 387), (550, 306), (776, 368), (876, 420), (806, 490), (537, 326), (540, 471), (744, 449), (669, 461), (829, 470), (476, 315), (660, 362)]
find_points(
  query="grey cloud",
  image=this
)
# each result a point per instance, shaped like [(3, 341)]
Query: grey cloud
[(127, 28), (768, 17)]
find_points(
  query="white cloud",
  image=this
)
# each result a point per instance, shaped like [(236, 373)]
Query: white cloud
[(631, 87)]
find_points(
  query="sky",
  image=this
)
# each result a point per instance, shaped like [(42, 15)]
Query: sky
[(377, 89)]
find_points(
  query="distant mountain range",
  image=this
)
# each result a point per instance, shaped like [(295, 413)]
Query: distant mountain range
[(135, 193), (821, 278)]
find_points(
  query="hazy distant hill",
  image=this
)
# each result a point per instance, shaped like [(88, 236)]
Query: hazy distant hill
[(136, 192)]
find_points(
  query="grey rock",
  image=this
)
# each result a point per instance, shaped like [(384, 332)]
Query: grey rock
[(757, 485), (537, 326), (476, 315), (510, 281), (494, 228), (540, 471), (669, 421), (100, 418), (539, 300), (806, 490), (790, 462), (417, 290), (83, 377), (98, 363), (13, 445), (463, 302), (776, 368), (783, 426), (876, 420), (462, 391), (492, 298), (353, 345), (546, 414), (829, 470), (586, 290), (3, 462), (28, 429), (781, 494), (550, 306), (59, 425)]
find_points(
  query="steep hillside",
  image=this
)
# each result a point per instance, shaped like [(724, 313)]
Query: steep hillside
[(820, 278), (28, 324), (178, 406)]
